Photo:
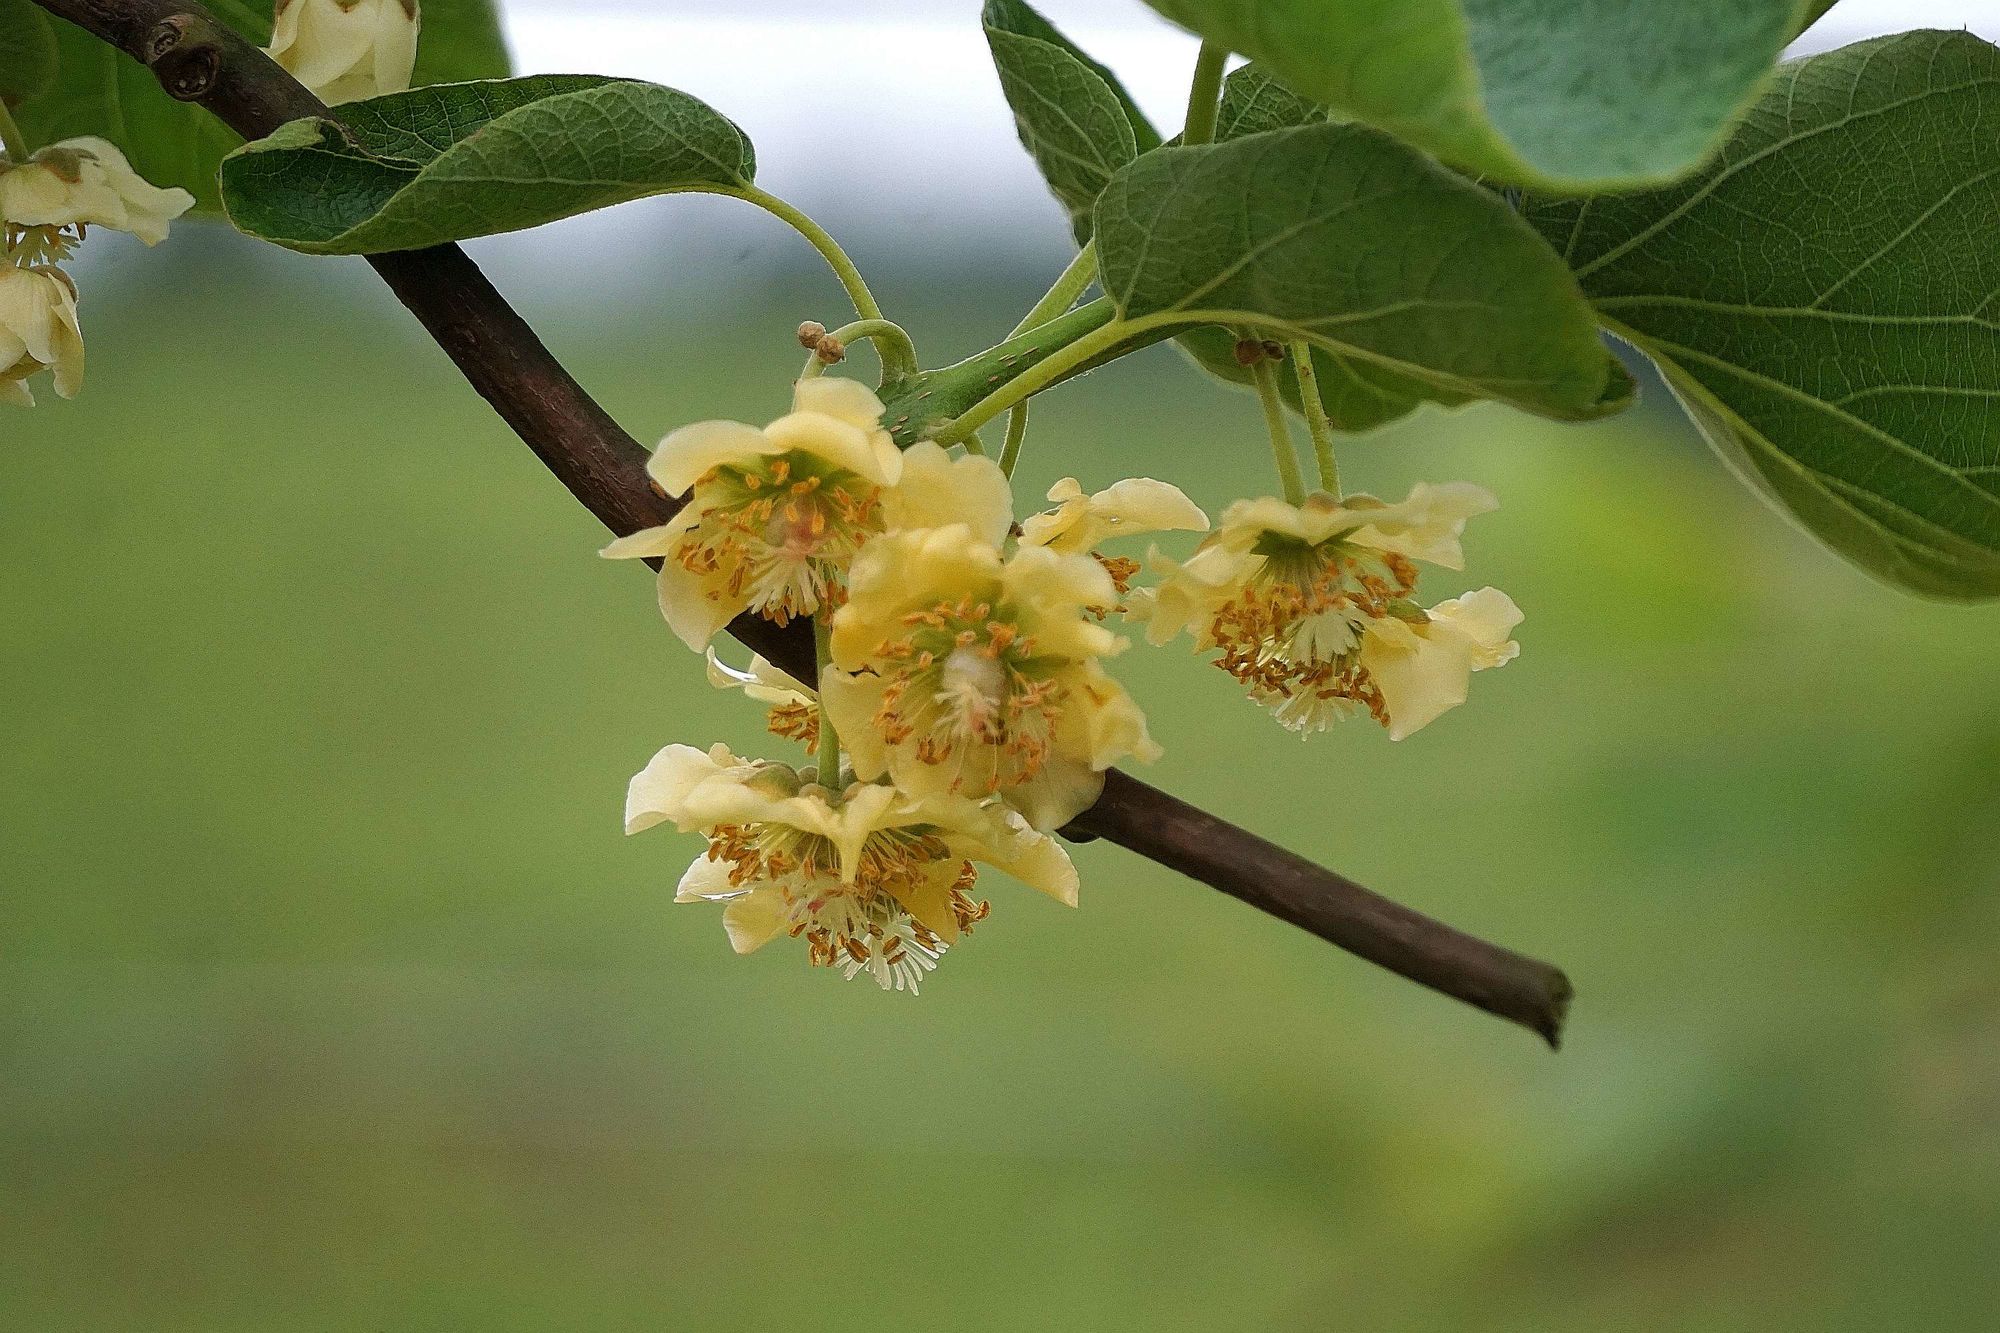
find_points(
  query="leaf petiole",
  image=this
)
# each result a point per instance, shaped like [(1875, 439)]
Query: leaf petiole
[(1075, 280), (1205, 95), (843, 268), (11, 139)]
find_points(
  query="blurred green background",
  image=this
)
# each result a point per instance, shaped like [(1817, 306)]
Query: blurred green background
[(332, 998)]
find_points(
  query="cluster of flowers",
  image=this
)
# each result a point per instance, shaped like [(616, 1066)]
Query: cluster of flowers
[(964, 677), (343, 50), (47, 205)]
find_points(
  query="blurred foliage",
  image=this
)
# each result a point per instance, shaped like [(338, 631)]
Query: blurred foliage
[(331, 998)]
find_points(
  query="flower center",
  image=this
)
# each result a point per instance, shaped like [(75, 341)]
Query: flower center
[(779, 532), (862, 926), (965, 685), (24, 246), (1293, 634)]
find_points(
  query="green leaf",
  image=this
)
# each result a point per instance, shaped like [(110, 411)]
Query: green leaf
[(101, 91), (1253, 102), (1825, 300), (1342, 236), (1354, 395), (27, 51), (1074, 118), (1567, 94), (475, 159)]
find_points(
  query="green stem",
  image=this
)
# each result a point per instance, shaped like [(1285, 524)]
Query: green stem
[(1075, 280), (1282, 452), (829, 249), (1313, 407), (11, 137), (1035, 378), (1017, 432), (829, 739), (899, 353), (1205, 95)]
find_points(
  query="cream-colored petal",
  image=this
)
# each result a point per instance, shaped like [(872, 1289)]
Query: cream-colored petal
[(688, 454), (652, 543), (1428, 525), (755, 919), (659, 792), (707, 881), (903, 572), (1421, 675), (852, 448), (842, 399), (852, 701), (697, 606), (763, 682), (1488, 619), (1062, 790), (929, 901), (1102, 723), (396, 35), (937, 490), (991, 832)]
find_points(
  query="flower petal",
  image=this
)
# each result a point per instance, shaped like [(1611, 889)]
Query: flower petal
[(755, 919), (689, 453)]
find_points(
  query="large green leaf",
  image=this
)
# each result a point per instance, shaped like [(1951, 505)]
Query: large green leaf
[(1355, 395), (475, 159), (27, 51), (1825, 299), (1343, 236), (1066, 107), (1563, 93), (103, 92)]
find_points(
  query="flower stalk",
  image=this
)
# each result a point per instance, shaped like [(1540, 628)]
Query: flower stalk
[(1282, 452), (1313, 408)]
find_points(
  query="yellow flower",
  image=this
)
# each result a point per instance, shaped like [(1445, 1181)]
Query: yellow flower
[(956, 672), (874, 879), (1079, 522), (1286, 593), (81, 183), (38, 331), (776, 515), (347, 50), (794, 707), (1422, 665)]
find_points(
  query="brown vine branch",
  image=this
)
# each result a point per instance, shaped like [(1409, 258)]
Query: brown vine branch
[(200, 60)]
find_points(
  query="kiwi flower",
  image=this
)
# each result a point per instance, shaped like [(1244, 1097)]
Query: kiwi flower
[(958, 672), (775, 516), (48, 200), (347, 50), (794, 706), (38, 331), (1128, 508), (873, 879), (1309, 605)]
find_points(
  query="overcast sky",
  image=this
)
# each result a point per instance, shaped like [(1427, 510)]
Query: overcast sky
[(883, 117)]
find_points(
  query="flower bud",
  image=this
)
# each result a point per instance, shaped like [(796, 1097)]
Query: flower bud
[(38, 331), (87, 182), (347, 50)]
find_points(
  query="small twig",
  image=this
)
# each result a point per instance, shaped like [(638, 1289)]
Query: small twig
[(200, 60)]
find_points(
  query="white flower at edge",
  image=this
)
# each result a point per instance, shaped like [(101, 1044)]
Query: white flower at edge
[(872, 878), (775, 516), (38, 331), (347, 50), (87, 182)]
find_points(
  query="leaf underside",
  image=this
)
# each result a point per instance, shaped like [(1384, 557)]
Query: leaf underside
[(1571, 94), (1344, 237), (1825, 300)]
